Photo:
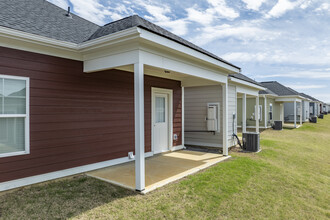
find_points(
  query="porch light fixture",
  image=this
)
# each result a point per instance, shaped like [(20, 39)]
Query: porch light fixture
[(167, 71)]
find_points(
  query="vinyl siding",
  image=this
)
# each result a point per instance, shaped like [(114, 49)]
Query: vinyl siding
[(196, 99), (232, 104)]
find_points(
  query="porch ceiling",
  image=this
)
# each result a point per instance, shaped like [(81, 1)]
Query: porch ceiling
[(185, 79), (160, 169)]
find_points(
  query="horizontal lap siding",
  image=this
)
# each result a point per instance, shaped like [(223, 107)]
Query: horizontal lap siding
[(196, 100), (77, 118), (232, 100)]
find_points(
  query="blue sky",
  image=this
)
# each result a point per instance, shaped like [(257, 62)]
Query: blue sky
[(283, 40)]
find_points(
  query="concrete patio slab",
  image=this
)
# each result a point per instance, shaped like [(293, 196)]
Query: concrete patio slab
[(160, 169)]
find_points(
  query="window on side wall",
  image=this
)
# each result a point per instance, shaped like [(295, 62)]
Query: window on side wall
[(14, 116), (270, 111)]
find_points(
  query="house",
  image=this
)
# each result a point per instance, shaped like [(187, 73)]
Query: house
[(76, 96), (200, 101), (313, 105), (289, 99), (269, 110)]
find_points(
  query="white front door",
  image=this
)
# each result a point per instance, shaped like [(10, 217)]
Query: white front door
[(160, 123)]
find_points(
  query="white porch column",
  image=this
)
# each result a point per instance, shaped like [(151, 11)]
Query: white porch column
[(244, 113), (265, 111), (301, 112), (225, 119), (295, 113), (182, 116), (257, 114), (139, 126)]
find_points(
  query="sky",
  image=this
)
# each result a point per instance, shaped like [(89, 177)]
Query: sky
[(271, 40)]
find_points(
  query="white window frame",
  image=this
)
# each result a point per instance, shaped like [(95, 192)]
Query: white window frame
[(271, 111), (26, 116)]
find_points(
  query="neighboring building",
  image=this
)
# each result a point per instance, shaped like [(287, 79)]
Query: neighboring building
[(78, 97), (291, 101)]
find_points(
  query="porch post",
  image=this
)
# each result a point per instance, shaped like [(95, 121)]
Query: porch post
[(265, 110), (182, 116), (225, 119), (295, 113), (257, 114), (301, 112), (139, 126), (244, 113)]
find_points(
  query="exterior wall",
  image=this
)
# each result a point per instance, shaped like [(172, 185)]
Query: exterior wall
[(277, 111), (239, 111), (76, 118), (312, 109), (232, 108), (196, 99), (305, 110), (289, 112), (250, 111)]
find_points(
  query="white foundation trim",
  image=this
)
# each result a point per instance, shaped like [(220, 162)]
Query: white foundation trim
[(176, 148), (63, 173), (203, 144)]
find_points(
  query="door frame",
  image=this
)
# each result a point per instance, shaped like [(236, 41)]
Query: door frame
[(168, 92)]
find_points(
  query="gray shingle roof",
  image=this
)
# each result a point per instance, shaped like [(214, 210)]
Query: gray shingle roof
[(43, 18), (266, 92), (136, 21), (279, 89), (309, 97), (245, 78)]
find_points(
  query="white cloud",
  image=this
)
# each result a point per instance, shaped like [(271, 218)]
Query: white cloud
[(178, 27), (245, 33), (60, 3), (217, 9), (281, 7), (91, 10), (220, 7), (254, 4), (323, 7)]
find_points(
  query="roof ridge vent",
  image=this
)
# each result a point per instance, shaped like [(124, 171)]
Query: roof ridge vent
[(68, 14)]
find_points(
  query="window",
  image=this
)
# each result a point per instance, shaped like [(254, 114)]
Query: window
[(270, 111), (14, 115), (160, 110)]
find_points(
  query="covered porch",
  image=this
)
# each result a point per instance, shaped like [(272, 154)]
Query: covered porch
[(150, 55), (160, 169)]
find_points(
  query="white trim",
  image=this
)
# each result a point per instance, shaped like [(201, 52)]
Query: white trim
[(139, 126), (225, 119), (26, 116), (168, 92), (182, 116), (63, 173), (245, 83), (170, 44), (244, 112), (265, 109)]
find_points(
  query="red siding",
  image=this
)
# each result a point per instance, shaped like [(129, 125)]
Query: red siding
[(78, 118)]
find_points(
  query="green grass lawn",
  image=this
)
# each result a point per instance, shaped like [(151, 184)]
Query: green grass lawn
[(288, 179)]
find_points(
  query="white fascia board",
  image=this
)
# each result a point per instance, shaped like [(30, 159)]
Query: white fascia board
[(246, 90), (271, 95), (162, 41), (111, 61), (181, 66), (288, 99), (245, 83), (108, 40)]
